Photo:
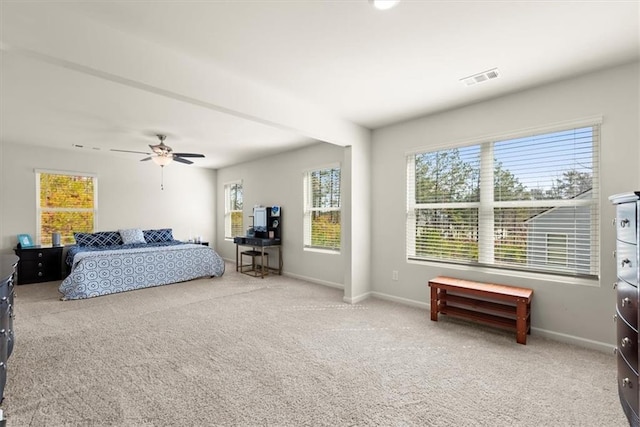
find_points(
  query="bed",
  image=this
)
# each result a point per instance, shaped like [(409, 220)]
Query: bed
[(110, 262)]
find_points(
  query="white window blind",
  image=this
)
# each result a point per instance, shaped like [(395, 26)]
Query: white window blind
[(322, 208), (526, 203), (233, 210), (65, 203)]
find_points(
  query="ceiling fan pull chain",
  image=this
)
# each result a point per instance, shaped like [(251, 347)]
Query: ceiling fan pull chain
[(161, 177)]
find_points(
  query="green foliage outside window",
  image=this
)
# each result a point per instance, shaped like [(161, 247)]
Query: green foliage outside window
[(66, 206)]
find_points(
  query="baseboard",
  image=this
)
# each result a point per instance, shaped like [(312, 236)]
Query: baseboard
[(357, 299), (571, 339), (556, 336), (404, 301), (313, 280)]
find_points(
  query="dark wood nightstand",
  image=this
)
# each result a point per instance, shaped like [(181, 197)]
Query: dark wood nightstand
[(39, 264)]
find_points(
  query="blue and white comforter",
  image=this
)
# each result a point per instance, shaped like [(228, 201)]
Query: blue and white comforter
[(96, 273)]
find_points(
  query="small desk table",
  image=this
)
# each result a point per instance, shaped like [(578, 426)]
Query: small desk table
[(258, 246)]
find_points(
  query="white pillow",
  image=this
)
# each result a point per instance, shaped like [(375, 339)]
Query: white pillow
[(132, 235)]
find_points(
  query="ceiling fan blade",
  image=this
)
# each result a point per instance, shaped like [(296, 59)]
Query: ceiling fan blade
[(145, 159), (188, 155), (129, 151), (181, 160)]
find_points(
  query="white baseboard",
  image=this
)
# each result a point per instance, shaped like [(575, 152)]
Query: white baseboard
[(556, 336), (405, 301), (313, 280), (357, 299)]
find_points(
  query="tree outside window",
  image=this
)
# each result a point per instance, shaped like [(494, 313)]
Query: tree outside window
[(322, 210), (66, 204), (233, 216), (496, 202)]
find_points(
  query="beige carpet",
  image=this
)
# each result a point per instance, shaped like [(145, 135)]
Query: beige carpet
[(243, 351)]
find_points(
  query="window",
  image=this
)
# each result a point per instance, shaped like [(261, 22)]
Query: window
[(233, 210), (527, 203), (66, 203), (557, 249), (322, 208)]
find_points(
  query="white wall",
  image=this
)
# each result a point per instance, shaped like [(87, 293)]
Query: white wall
[(565, 310), (277, 180), (129, 192)]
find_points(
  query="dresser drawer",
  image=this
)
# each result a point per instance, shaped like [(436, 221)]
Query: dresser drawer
[(626, 223), (626, 260), (627, 342), (627, 303), (627, 384)]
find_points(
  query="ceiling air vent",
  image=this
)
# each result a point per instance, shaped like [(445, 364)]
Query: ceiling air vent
[(481, 77)]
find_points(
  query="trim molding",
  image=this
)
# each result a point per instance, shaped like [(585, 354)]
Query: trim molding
[(556, 336), (312, 280)]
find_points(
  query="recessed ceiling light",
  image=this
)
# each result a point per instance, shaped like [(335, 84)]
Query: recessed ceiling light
[(481, 77), (384, 4)]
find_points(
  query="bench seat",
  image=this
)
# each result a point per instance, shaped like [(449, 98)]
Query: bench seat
[(503, 306)]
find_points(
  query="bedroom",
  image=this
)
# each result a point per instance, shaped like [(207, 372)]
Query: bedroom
[(192, 198)]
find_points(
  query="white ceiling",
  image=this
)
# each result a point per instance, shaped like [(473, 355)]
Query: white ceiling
[(238, 80)]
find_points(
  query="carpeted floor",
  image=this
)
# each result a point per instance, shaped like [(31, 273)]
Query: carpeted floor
[(242, 351)]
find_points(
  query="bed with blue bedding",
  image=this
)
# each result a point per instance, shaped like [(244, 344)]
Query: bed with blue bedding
[(109, 262)]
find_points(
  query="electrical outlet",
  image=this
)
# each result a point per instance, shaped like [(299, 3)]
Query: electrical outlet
[(394, 275)]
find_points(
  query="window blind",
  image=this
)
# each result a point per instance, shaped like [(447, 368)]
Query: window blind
[(66, 203), (525, 203), (322, 218)]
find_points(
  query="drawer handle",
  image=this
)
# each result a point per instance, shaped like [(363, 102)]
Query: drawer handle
[(615, 351), (625, 261), (624, 223), (39, 264), (626, 383), (39, 254), (615, 285), (625, 341), (39, 273), (615, 317), (625, 301)]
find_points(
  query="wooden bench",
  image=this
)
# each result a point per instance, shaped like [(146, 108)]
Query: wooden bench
[(513, 311)]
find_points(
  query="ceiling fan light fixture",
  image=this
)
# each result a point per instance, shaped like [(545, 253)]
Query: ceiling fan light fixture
[(161, 160), (384, 4)]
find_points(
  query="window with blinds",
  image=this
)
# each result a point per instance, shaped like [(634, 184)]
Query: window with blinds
[(322, 208), (66, 203), (528, 203), (233, 216)]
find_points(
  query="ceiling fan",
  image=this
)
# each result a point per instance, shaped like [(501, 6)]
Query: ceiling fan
[(163, 154)]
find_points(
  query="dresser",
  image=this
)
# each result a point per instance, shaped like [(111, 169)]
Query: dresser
[(627, 257), (8, 265), (39, 264)]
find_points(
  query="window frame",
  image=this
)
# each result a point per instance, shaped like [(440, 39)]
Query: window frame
[(40, 209), (228, 212), (308, 209), (487, 203)]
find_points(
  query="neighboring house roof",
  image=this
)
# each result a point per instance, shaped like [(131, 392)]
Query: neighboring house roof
[(582, 195)]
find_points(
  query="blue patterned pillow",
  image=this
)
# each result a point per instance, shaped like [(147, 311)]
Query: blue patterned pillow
[(159, 235), (108, 238), (101, 238), (132, 235)]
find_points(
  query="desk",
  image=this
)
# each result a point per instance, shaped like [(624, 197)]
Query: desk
[(258, 246)]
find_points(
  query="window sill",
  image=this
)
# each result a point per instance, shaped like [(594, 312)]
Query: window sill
[(569, 280), (323, 251)]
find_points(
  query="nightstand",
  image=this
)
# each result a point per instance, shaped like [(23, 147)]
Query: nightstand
[(39, 264)]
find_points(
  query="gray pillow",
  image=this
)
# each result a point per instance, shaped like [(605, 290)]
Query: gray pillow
[(132, 235)]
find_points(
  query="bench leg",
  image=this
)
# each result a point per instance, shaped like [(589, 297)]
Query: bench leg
[(521, 321), (434, 303)]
